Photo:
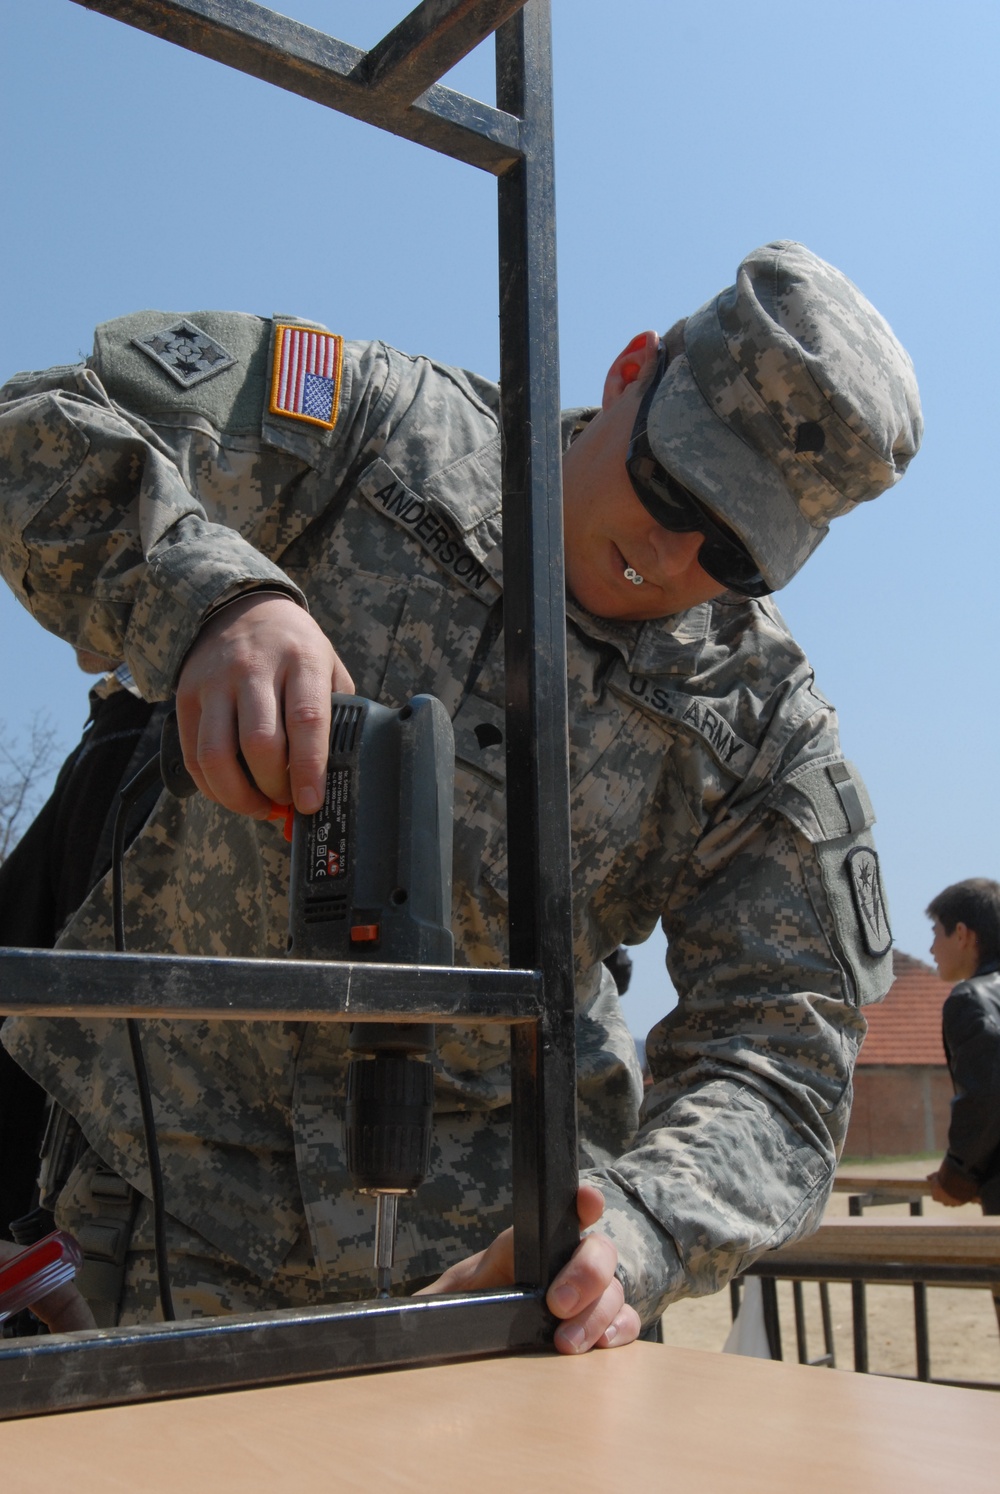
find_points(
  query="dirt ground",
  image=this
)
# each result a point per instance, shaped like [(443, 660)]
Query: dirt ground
[(963, 1337)]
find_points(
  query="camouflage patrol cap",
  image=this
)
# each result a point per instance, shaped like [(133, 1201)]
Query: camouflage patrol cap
[(791, 403)]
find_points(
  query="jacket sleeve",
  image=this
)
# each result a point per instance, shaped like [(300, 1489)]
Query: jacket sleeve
[(972, 1038), (771, 953), (100, 536)]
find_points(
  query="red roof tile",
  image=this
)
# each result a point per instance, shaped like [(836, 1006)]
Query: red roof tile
[(906, 1027)]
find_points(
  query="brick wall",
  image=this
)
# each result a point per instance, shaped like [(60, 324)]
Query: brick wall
[(899, 1110), (902, 1089)]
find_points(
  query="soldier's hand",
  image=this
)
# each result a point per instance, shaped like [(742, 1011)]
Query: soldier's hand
[(63, 1310), (257, 682), (586, 1294)]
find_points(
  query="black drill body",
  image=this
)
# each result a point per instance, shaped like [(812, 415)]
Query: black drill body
[(371, 880)]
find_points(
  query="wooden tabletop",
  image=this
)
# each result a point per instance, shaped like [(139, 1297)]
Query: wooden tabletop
[(644, 1418), (938, 1240), (864, 1182)]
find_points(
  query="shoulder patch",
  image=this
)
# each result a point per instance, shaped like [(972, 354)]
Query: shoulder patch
[(184, 352), (306, 375), (869, 900)]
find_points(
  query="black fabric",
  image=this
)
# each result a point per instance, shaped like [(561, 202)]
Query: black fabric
[(51, 869), (971, 1030), (22, 1114), (64, 852), (619, 962)]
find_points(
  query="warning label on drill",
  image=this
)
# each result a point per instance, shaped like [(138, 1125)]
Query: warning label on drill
[(328, 833)]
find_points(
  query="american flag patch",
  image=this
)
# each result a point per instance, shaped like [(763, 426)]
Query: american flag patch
[(306, 378)]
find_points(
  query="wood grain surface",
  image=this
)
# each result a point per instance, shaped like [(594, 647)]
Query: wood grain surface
[(864, 1182), (645, 1418), (929, 1241)]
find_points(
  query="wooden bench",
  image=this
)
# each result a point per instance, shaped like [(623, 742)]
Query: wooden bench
[(869, 1189), (915, 1249), (886, 1190), (938, 1251)]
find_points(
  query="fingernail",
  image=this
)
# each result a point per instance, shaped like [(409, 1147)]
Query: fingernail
[(610, 1333), (563, 1299), (309, 801), (574, 1338)]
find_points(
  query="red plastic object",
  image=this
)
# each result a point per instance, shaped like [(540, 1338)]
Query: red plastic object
[(41, 1268), (364, 933), (285, 815)]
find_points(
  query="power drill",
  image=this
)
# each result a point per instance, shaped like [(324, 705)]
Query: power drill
[(371, 880)]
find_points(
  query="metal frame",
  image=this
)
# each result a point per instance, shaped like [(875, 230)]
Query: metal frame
[(859, 1303), (772, 1319), (860, 1275), (394, 86)]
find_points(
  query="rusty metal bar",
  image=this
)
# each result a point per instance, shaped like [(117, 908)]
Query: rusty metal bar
[(292, 56)]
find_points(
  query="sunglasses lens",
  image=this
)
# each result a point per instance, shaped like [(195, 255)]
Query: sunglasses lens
[(722, 555), (731, 568)]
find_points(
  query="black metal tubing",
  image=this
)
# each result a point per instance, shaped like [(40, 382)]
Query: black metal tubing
[(514, 141), (859, 1305), (801, 1343), (920, 1324), (830, 1356), (954, 1277), (772, 1317), (429, 41), (878, 1271), (884, 1272), (58, 983), (371, 86), (156, 1360), (856, 1205), (539, 881)]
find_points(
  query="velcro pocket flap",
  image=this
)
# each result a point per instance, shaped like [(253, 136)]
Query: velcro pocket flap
[(825, 801)]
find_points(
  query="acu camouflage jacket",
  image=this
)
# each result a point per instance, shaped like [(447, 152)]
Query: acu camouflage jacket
[(179, 467)]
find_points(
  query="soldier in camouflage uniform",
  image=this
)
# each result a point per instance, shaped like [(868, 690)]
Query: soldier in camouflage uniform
[(182, 498)]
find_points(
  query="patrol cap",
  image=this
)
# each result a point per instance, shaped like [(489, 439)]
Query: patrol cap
[(792, 403)]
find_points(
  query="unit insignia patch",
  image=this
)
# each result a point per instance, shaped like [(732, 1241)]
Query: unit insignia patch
[(185, 352), (869, 901)]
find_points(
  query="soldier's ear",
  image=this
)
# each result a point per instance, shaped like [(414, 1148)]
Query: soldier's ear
[(632, 362)]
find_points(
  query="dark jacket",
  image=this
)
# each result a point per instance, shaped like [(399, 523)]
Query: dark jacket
[(971, 1031)]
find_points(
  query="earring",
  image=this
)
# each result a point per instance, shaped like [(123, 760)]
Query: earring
[(633, 576)]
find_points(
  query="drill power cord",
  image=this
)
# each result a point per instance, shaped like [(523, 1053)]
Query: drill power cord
[(132, 791)]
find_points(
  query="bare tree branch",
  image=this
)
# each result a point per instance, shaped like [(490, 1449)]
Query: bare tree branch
[(26, 770)]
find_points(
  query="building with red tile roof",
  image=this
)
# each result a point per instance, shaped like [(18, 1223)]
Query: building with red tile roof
[(902, 1089)]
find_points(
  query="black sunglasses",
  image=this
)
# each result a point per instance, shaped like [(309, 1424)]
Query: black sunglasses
[(722, 555)]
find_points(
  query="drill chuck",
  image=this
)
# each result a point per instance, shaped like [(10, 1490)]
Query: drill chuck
[(388, 1120)]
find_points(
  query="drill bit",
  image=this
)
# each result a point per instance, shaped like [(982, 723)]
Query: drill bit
[(386, 1207)]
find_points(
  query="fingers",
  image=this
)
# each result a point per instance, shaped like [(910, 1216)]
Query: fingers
[(64, 1310), (590, 1299), (492, 1267), (586, 1294), (307, 726), (589, 1204), (215, 756), (253, 706)]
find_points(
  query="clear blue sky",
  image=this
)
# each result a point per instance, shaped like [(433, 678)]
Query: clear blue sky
[(135, 174)]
